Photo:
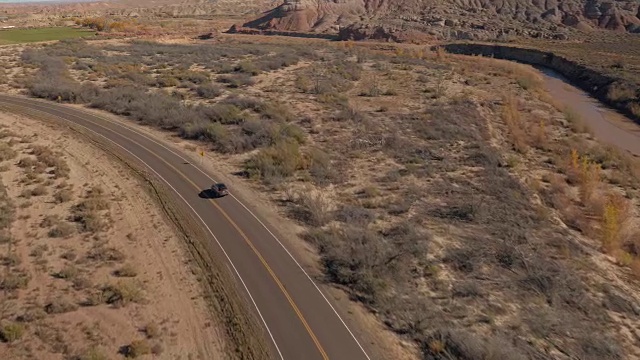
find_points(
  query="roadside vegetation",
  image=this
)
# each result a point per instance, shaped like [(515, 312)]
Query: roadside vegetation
[(476, 223)]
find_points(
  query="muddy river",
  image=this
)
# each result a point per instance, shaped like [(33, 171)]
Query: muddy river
[(608, 125)]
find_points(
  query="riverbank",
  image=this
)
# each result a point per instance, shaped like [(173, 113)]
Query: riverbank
[(619, 93), (607, 125)]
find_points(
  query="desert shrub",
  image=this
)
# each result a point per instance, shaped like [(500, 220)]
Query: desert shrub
[(460, 344), (304, 83), (619, 91), (89, 221), (155, 109), (105, 254), (367, 261), (138, 78), (259, 133), (276, 62), (69, 254), (594, 347), (291, 132), (511, 117), (5, 237), (121, 83), (575, 121), (11, 332), (195, 77), (236, 80), (209, 91), (353, 257), (244, 102), (14, 280), (127, 270), (320, 167), (204, 130), (52, 89), (81, 283), (6, 152), (223, 113), (90, 354), (328, 79), (136, 348), (122, 293), (49, 221), (157, 349), (27, 162), (528, 81), (62, 230), (7, 209), (466, 289), (280, 160), (336, 99), (39, 190), (312, 208), (247, 67), (152, 330), (351, 214), (348, 70), (10, 259), (62, 196), (45, 155), (82, 65), (60, 306), (167, 81), (276, 111), (68, 272), (53, 81)]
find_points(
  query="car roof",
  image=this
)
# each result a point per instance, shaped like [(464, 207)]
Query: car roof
[(221, 185)]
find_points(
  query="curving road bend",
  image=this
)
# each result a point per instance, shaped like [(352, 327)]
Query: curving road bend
[(302, 323)]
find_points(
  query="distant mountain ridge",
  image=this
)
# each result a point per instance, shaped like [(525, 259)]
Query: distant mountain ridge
[(474, 19)]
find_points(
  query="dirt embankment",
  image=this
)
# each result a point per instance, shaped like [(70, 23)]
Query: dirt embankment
[(618, 93)]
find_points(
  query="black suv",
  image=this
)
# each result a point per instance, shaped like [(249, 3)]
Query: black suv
[(219, 189)]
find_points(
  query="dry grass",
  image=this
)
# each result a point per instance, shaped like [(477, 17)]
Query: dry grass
[(11, 332), (511, 116), (136, 349), (122, 293), (127, 270)]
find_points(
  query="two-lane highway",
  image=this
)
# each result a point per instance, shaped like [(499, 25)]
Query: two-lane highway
[(302, 323)]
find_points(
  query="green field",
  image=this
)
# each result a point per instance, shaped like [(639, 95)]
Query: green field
[(17, 36)]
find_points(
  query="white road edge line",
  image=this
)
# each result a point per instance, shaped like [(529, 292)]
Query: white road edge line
[(194, 211), (130, 128)]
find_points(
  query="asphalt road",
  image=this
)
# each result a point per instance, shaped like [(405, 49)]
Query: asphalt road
[(301, 322)]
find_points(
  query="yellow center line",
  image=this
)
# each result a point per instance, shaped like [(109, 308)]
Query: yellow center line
[(233, 223)]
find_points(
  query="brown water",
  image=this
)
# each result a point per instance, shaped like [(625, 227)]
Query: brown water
[(608, 125)]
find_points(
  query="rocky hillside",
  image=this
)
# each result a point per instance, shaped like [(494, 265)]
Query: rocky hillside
[(132, 8), (453, 19)]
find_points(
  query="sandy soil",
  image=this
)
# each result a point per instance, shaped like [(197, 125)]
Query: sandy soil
[(161, 294)]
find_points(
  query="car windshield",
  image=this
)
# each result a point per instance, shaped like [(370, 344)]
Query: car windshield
[(222, 187)]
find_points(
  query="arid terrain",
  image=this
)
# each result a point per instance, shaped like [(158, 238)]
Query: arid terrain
[(91, 268), (468, 212), (450, 20), (454, 19)]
